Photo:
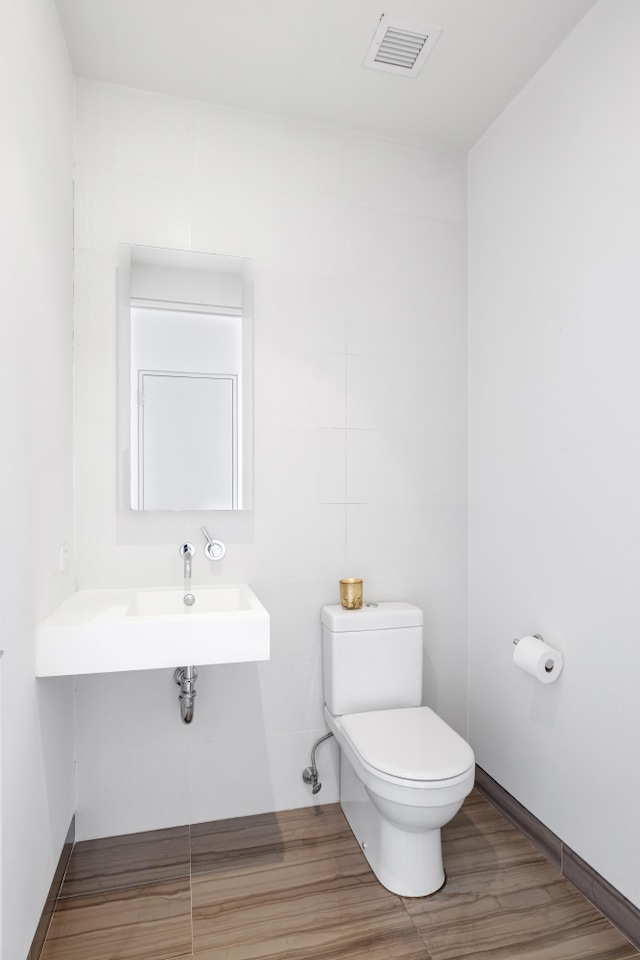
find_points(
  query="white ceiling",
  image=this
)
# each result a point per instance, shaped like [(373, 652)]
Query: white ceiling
[(303, 59)]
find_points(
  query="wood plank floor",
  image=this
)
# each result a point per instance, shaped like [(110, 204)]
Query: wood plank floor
[(295, 886)]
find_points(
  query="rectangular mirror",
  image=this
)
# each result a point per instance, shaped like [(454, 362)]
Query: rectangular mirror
[(185, 364)]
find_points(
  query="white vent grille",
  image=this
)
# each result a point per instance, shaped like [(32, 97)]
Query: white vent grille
[(400, 46)]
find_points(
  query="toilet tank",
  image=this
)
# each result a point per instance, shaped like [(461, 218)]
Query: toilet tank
[(372, 657)]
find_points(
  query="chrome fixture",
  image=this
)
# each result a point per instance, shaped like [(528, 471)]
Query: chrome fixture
[(310, 774), (214, 549), (186, 678), (536, 635), (187, 550)]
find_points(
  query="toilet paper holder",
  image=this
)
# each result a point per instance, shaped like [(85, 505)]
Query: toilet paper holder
[(536, 635), (549, 663)]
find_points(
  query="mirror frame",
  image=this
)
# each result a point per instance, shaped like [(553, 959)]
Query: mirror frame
[(125, 252)]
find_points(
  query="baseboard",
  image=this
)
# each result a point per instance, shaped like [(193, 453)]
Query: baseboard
[(610, 902), (47, 911)]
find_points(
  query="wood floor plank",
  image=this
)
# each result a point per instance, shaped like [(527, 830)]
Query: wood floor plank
[(504, 901), (294, 903), (253, 842), (137, 923), (323, 945), (316, 898), (112, 863), (294, 885), (503, 928), (377, 938)]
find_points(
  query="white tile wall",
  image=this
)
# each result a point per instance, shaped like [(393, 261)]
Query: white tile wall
[(360, 402), (125, 791), (299, 464), (301, 313), (406, 179), (141, 134), (554, 452), (36, 477), (299, 388), (406, 539), (387, 466), (429, 319)]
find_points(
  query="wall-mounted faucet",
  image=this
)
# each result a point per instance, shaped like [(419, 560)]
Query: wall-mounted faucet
[(213, 549), (187, 550)]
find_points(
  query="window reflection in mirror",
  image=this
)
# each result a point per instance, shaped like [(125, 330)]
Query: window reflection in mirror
[(185, 369)]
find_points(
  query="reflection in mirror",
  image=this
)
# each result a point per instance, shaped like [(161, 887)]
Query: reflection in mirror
[(185, 380)]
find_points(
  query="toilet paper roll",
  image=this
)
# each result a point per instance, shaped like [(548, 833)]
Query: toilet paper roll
[(534, 656)]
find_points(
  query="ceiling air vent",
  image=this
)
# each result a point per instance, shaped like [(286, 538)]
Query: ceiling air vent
[(401, 46)]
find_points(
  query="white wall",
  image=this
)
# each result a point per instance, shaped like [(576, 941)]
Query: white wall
[(359, 251), (36, 100), (555, 441)]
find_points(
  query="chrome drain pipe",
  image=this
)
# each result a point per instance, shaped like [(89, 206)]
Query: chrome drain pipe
[(310, 774), (186, 678)]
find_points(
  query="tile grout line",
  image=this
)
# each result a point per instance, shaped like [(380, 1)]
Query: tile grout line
[(415, 927)]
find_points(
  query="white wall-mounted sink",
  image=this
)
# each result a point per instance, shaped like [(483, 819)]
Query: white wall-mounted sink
[(170, 603), (104, 631)]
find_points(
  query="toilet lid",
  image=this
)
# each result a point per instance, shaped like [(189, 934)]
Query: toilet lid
[(412, 743)]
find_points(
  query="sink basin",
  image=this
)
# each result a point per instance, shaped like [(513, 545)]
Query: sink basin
[(103, 631), (170, 603)]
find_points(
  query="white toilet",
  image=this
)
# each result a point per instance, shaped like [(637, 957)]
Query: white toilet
[(403, 772)]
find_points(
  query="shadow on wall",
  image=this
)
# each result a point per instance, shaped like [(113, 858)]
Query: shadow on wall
[(243, 754)]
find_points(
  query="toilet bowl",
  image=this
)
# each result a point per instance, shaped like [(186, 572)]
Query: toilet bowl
[(404, 773)]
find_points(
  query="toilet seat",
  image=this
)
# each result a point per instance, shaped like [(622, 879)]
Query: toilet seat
[(410, 744)]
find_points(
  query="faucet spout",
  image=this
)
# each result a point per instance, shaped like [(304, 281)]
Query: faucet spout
[(186, 551)]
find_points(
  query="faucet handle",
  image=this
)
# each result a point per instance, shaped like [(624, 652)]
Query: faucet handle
[(213, 549)]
